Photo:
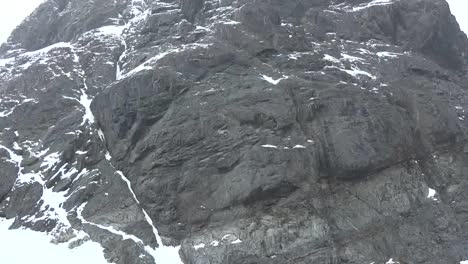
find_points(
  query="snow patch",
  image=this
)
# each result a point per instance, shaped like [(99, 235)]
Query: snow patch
[(148, 65), (351, 58), (38, 53), (237, 241), (391, 261), (388, 54), (15, 244), (269, 146), (52, 207), (52, 201), (299, 147), (431, 194), (372, 3), (111, 30), (271, 80), (64, 173), (50, 161), (232, 239), (197, 247), (331, 58), (16, 159), (86, 101), (29, 58)]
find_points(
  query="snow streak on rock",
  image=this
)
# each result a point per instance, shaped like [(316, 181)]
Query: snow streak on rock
[(163, 254)]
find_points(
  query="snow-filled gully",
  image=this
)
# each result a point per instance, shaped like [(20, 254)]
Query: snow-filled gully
[(53, 200), (163, 254), (119, 31)]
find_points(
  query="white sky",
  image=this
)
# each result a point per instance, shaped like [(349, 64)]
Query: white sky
[(12, 12), (459, 9)]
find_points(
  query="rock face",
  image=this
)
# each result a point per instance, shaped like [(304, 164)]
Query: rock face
[(239, 131)]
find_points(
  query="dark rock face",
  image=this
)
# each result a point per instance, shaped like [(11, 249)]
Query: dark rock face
[(246, 132), (190, 8)]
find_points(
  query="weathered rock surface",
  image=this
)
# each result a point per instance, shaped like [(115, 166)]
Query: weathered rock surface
[(267, 131)]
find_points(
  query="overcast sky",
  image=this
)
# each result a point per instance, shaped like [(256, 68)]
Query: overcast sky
[(459, 9), (12, 12)]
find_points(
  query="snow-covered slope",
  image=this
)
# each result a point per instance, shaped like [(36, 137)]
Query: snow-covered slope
[(23, 246)]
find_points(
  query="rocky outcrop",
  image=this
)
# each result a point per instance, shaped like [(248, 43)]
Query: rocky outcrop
[(62, 20), (240, 131)]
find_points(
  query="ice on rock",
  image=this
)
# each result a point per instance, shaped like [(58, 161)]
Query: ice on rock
[(4, 62), (146, 65), (111, 229), (63, 173), (163, 254), (356, 72)]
